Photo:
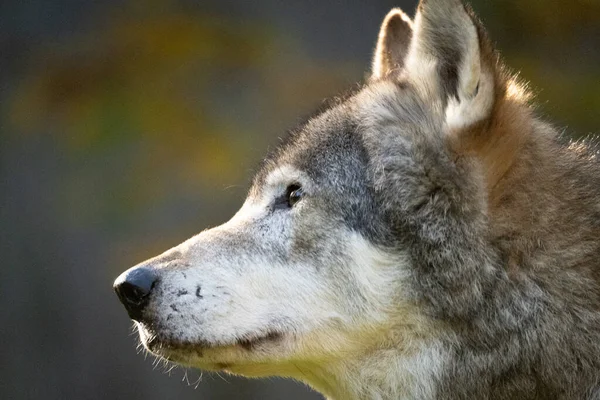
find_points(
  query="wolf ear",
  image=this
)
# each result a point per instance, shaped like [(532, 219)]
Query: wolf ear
[(392, 44), (451, 57)]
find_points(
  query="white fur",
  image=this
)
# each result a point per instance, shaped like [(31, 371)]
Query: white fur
[(470, 110), (475, 86), (330, 340), (388, 374)]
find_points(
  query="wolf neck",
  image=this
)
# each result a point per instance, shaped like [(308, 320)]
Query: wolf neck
[(380, 374)]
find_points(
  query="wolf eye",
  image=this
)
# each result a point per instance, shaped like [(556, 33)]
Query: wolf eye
[(293, 194)]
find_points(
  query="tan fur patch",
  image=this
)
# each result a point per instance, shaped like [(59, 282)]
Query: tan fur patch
[(496, 141)]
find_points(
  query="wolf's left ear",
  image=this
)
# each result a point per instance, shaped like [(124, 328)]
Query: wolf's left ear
[(392, 44), (450, 56)]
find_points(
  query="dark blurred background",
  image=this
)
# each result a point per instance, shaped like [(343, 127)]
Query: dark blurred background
[(127, 127)]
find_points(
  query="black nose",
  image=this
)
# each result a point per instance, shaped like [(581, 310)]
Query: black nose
[(133, 288)]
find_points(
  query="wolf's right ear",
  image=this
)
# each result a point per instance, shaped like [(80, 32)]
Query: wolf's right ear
[(394, 39)]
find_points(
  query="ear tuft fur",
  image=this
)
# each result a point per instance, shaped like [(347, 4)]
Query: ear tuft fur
[(449, 57), (392, 45)]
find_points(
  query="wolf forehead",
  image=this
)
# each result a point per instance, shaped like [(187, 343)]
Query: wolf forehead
[(340, 144)]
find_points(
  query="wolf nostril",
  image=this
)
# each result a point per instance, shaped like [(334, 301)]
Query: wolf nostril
[(133, 288)]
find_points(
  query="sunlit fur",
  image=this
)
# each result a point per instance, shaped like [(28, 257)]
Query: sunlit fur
[(446, 245)]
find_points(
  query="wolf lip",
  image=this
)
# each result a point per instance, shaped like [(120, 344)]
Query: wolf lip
[(157, 344), (250, 343)]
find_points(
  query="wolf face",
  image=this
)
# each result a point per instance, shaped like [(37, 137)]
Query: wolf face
[(318, 263), (389, 247), (302, 272)]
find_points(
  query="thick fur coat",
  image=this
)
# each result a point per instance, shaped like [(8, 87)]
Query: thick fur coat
[(425, 237)]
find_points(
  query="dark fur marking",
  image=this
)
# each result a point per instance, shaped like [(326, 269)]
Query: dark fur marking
[(249, 343)]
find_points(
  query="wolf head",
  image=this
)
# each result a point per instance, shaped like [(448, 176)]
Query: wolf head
[(365, 230)]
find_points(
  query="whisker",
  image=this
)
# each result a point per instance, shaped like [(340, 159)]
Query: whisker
[(198, 381)]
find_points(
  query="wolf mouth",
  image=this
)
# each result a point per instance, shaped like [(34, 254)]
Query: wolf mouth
[(159, 345), (251, 342)]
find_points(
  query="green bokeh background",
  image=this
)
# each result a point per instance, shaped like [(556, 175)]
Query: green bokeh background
[(126, 127)]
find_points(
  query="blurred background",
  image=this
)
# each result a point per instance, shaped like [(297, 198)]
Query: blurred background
[(127, 127)]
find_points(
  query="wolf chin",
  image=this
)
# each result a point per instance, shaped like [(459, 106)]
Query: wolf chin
[(424, 237)]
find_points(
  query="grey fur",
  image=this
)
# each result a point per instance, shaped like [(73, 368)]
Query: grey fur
[(499, 253)]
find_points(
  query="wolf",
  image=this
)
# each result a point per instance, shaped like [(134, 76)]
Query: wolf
[(427, 236)]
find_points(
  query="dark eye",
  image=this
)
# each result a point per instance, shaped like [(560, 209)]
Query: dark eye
[(293, 194)]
